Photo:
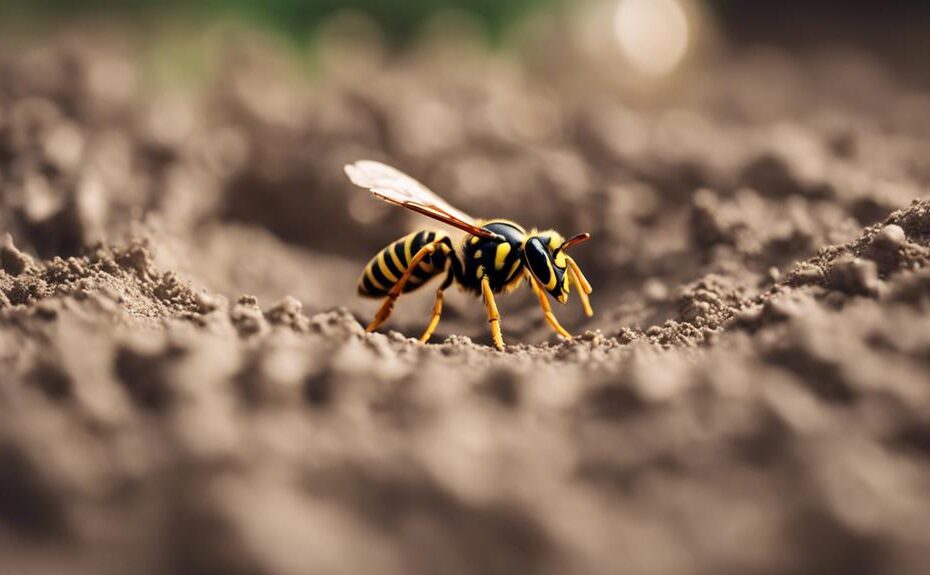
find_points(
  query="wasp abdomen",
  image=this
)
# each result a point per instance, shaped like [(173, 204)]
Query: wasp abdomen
[(385, 269)]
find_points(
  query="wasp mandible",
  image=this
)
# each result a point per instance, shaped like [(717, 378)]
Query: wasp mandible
[(494, 257)]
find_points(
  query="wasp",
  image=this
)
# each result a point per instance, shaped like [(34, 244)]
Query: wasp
[(494, 257)]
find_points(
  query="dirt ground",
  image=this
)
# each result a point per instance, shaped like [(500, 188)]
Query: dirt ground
[(186, 385)]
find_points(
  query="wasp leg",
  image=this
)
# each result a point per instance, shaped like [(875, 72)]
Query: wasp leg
[(384, 312), (547, 310), (437, 308), (494, 318), (584, 288)]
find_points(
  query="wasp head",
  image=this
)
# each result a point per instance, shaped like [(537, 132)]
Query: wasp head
[(544, 255)]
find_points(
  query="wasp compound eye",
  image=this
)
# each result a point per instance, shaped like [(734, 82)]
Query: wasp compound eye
[(538, 260)]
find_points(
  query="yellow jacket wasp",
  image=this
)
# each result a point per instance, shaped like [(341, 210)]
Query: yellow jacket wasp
[(495, 256)]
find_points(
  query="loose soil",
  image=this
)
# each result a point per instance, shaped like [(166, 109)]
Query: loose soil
[(186, 385)]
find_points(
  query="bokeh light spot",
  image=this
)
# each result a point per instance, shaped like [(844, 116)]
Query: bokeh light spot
[(653, 34)]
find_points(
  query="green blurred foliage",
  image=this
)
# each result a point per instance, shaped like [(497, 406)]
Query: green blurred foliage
[(295, 18)]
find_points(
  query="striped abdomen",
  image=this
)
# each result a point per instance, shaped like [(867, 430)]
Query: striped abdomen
[(385, 269)]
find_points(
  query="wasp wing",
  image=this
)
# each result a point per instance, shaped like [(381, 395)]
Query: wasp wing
[(396, 187)]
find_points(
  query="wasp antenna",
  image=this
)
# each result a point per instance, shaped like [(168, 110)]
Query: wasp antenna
[(573, 241)]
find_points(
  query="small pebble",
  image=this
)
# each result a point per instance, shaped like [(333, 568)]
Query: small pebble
[(890, 238), (205, 302), (854, 276)]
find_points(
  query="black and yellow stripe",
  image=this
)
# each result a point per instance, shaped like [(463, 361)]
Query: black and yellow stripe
[(386, 268)]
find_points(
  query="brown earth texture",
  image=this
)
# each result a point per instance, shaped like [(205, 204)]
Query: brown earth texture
[(186, 385)]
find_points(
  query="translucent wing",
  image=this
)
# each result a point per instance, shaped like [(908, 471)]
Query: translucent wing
[(396, 187)]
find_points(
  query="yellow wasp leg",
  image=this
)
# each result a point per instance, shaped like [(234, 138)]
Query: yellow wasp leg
[(494, 318), (584, 288), (437, 305), (388, 306), (434, 320), (547, 310)]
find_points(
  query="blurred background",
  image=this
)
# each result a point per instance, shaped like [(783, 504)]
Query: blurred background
[(240, 111), (184, 386)]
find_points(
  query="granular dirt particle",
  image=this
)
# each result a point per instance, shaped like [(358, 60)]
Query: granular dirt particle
[(247, 317)]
